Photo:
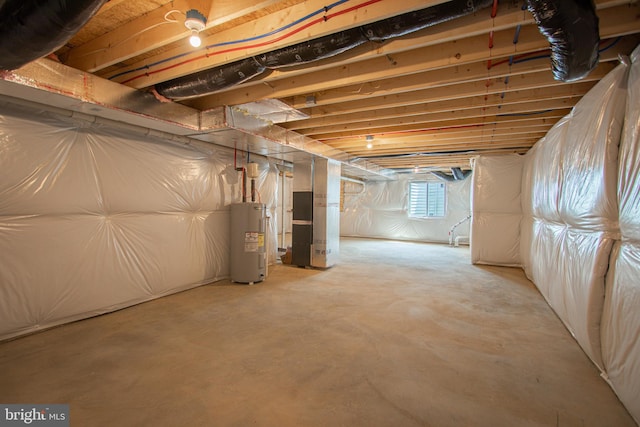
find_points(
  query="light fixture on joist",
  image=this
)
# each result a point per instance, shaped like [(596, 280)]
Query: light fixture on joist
[(196, 22)]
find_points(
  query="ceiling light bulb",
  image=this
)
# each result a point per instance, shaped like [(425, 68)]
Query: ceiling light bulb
[(194, 40), (196, 22), (416, 169), (369, 146)]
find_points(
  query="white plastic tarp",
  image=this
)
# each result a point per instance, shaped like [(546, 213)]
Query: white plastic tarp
[(572, 212), (496, 210), (93, 219), (621, 316), (380, 210)]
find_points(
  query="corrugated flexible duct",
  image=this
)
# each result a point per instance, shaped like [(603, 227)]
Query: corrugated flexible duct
[(208, 81), (31, 29), (571, 26)]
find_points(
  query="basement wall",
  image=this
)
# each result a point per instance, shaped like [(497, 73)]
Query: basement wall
[(95, 218), (579, 238), (496, 210), (379, 209)]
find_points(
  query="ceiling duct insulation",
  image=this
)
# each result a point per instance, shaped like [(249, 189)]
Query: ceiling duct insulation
[(218, 78), (211, 80), (31, 29), (571, 26), (313, 50)]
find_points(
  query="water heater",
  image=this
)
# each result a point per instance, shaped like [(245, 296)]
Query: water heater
[(248, 254)]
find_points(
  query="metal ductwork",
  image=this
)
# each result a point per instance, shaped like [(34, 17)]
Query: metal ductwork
[(208, 81), (52, 86), (31, 29), (457, 174), (571, 26)]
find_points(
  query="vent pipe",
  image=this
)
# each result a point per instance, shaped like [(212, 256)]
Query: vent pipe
[(31, 29)]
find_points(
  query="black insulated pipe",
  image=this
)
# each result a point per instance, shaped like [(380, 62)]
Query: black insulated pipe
[(411, 22), (210, 81), (313, 50), (571, 26), (199, 84), (32, 29)]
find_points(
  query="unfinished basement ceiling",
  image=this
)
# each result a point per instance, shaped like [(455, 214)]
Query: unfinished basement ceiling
[(481, 83)]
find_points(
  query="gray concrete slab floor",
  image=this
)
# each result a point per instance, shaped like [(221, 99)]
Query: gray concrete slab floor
[(396, 334)]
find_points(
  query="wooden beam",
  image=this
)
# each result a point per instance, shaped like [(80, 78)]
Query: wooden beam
[(108, 6), (402, 64), (391, 116), (465, 90), (209, 58), (420, 139), (146, 33), (447, 147), (451, 75), (443, 55), (479, 24), (547, 118)]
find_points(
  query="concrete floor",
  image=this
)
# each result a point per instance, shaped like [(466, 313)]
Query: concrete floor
[(397, 334)]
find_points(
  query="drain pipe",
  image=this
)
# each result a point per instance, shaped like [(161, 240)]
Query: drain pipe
[(32, 29), (453, 229)]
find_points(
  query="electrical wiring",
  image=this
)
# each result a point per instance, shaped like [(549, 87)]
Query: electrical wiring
[(536, 55), (325, 9), (256, 45)]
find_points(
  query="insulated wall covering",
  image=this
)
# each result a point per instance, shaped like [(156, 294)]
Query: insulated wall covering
[(621, 317), (93, 219), (496, 210), (571, 209), (379, 210)]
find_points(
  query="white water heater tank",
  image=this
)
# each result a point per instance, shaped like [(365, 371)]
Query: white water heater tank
[(248, 237)]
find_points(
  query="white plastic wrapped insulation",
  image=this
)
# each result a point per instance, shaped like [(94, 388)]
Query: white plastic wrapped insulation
[(621, 316), (496, 210), (93, 219), (380, 210), (573, 209), (526, 223)]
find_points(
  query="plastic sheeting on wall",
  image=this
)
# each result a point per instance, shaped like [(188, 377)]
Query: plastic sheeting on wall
[(572, 211), (93, 219), (621, 316), (380, 210), (496, 210)]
